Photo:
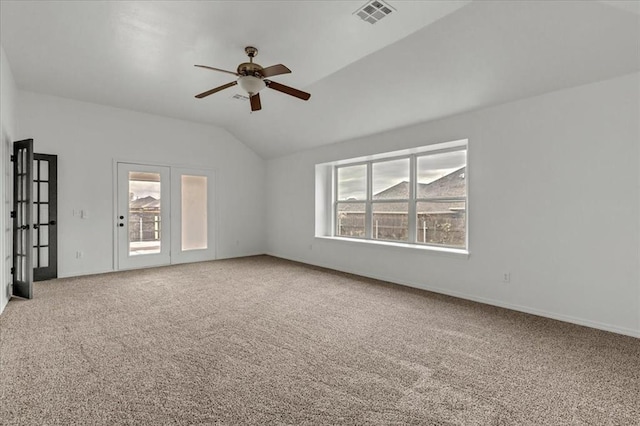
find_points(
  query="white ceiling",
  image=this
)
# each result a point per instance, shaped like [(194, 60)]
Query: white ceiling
[(426, 60)]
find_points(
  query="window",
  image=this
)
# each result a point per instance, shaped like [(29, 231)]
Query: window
[(416, 198)]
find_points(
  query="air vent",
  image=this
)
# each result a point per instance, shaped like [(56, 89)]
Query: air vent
[(240, 97), (374, 11)]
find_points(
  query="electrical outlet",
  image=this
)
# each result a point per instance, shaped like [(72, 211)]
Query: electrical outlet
[(506, 277)]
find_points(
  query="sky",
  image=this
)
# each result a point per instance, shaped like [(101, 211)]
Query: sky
[(352, 180), (141, 189)]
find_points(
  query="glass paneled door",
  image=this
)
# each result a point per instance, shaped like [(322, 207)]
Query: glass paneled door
[(45, 216), (22, 269), (142, 222)]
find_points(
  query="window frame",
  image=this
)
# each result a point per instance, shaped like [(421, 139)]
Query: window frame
[(412, 201)]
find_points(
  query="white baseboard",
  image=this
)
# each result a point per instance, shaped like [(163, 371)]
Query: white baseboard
[(84, 273), (520, 308)]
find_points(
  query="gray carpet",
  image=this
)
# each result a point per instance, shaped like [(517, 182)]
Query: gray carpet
[(261, 340)]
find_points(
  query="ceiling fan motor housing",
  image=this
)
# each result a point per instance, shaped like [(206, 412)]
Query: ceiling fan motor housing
[(249, 68)]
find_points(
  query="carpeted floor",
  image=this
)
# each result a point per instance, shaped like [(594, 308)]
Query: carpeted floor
[(261, 340)]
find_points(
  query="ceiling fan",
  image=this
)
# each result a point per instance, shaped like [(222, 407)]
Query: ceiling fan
[(252, 78)]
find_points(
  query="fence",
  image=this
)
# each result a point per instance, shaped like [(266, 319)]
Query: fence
[(442, 228), (144, 226)]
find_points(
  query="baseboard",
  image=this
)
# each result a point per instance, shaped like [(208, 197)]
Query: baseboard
[(85, 273), (107, 271), (238, 256), (520, 308)]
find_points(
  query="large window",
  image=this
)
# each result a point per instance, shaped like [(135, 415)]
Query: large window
[(418, 198)]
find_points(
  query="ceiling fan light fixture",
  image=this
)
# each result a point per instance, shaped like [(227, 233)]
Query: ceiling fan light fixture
[(251, 84)]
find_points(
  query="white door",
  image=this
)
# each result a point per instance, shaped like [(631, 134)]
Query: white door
[(192, 215), (144, 221)]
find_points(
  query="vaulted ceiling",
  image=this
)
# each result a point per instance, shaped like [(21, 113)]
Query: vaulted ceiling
[(426, 60)]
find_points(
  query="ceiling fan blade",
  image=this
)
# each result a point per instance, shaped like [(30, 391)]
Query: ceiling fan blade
[(217, 89), (217, 69), (288, 90), (255, 102), (274, 70)]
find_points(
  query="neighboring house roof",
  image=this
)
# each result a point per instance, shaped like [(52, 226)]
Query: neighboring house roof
[(451, 185), (144, 203)]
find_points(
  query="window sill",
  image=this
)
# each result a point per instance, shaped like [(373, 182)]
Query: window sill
[(443, 251)]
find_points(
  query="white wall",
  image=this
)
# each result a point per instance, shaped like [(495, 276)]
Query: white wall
[(553, 199), (7, 131), (88, 137)]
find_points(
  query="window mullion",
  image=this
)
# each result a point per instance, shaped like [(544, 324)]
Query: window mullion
[(368, 221), (334, 221), (413, 188)]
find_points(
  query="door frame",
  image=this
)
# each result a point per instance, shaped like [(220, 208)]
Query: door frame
[(177, 254), (51, 270), (212, 189), (124, 259)]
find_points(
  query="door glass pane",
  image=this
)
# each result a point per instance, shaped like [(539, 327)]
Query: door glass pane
[(43, 230), (194, 212), (44, 257), (44, 170), (391, 221), (44, 214), (352, 183), (442, 223), (44, 192), (391, 179), (350, 220), (144, 213)]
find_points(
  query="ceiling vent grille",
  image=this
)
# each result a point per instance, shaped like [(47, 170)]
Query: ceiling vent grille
[(240, 97), (373, 11)]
